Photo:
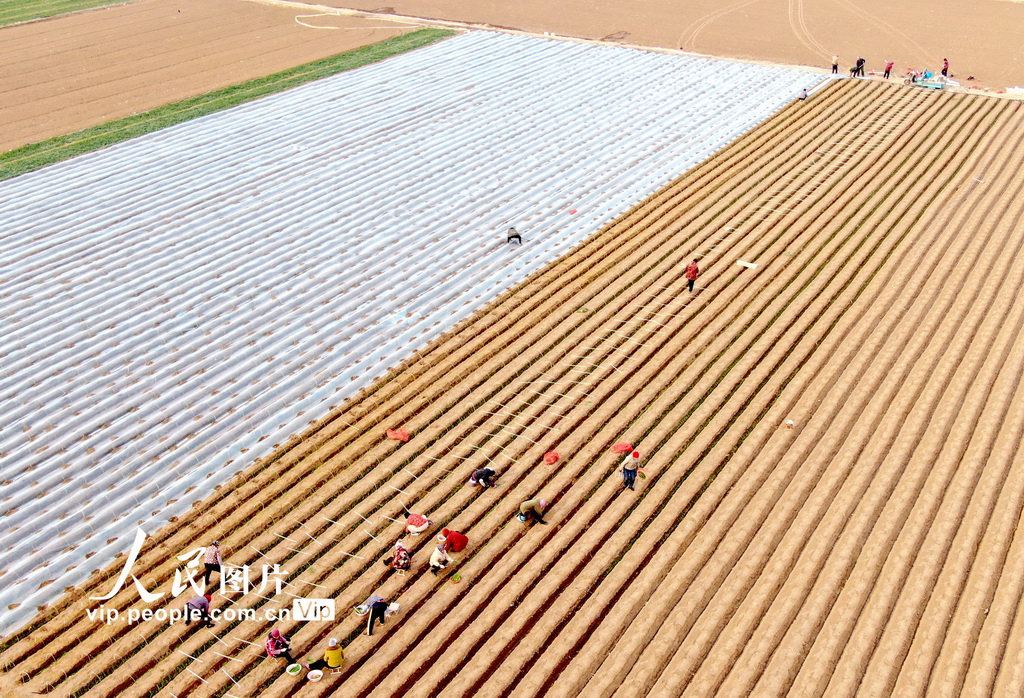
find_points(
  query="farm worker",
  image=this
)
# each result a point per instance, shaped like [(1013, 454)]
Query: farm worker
[(212, 560), (945, 68), (200, 605), (692, 272), (378, 611), (803, 95), (439, 559), (513, 234), (888, 69), (453, 540), (401, 559), (629, 467), (416, 524), (485, 477), (277, 646), (534, 509), (835, 64), (334, 656)]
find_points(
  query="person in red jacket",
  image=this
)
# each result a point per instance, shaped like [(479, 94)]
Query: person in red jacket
[(888, 69), (692, 272), (453, 540)]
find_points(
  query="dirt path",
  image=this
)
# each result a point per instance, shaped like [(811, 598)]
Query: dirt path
[(884, 318), (70, 72)]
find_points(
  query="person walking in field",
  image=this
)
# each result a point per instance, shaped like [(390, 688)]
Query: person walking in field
[(533, 510), (212, 560), (453, 541), (333, 658), (630, 464), (692, 272), (278, 647), (199, 608), (888, 69), (945, 68), (439, 559), (835, 64)]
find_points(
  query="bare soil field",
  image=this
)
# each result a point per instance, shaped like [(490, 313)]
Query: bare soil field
[(69, 72), (867, 547), (979, 38)]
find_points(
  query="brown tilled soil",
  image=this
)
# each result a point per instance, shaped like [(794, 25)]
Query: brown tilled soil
[(74, 71), (979, 38), (870, 547)]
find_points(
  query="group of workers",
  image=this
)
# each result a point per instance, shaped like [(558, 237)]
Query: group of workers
[(858, 68), (376, 607), (278, 647), (448, 541)]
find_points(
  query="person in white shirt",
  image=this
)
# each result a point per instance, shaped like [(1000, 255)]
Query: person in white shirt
[(439, 559), (630, 464)]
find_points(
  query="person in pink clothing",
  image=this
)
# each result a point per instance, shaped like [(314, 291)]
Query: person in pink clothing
[(277, 646), (888, 69), (692, 272), (416, 524)]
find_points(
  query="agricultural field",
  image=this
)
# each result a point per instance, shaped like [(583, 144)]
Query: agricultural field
[(829, 434), (981, 39), (78, 70), (30, 10), (178, 305)]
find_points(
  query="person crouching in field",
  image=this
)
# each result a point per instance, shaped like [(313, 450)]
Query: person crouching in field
[(533, 510), (416, 524), (452, 540), (333, 658), (630, 465), (439, 559), (199, 608), (485, 477), (400, 560), (277, 646)]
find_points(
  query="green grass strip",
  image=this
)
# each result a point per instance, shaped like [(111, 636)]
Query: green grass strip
[(15, 11), (37, 155)]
